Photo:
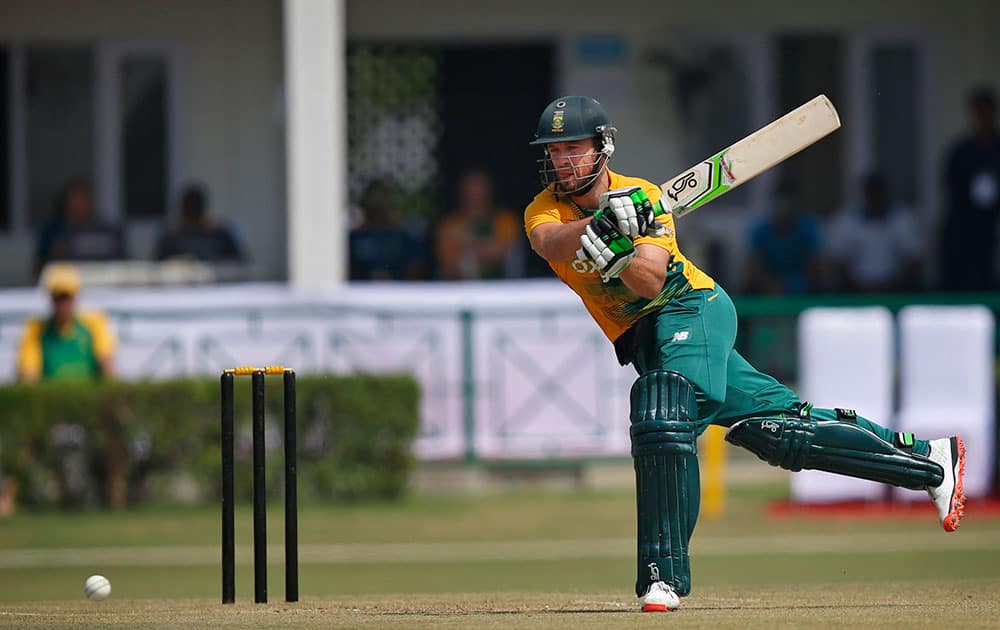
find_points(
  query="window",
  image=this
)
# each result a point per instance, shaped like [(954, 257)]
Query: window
[(99, 113), (713, 95), (59, 99), (144, 150), (808, 65), (6, 196), (895, 99)]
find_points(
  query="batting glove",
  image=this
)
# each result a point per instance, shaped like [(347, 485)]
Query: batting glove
[(633, 212), (609, 250)]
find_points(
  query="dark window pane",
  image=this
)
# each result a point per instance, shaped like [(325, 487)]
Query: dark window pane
[(144, 136), (487, 75), (5, 200), (809, 65), (895, 86), (713, 96), (59, 117)]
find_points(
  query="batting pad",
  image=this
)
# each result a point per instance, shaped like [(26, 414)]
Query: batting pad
[(667, 482)]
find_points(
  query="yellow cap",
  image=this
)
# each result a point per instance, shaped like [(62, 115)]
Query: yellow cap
[(61, 278)]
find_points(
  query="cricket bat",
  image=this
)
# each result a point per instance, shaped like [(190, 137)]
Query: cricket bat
[(751, 156)]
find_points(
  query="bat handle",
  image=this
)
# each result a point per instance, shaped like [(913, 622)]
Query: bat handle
[(678, 211)]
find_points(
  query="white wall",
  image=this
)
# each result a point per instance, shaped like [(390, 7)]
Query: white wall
[(234, 140)]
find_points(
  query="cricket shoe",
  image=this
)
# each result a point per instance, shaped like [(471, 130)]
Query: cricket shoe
[(949, 496), (660, 597)]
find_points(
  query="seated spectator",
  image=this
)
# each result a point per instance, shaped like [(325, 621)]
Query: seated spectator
[(67, 344), (875, 247), (784, 249), (76, 233), (479, 239), (380, 247), (196, 236)]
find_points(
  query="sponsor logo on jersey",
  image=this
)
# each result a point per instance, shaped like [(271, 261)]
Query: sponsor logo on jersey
[(584, 267)]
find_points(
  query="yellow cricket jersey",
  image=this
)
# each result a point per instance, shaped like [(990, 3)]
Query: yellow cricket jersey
[(73, 351), (613, 305)]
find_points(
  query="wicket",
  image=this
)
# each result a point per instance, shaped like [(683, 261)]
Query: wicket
[(259, 495)]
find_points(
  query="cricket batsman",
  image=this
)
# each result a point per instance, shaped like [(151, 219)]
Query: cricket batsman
[(677, 327)]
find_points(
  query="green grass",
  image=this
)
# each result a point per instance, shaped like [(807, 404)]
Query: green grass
[(512, 516), (516, 560)]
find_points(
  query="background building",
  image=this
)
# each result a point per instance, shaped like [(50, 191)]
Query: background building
[(141, 98)]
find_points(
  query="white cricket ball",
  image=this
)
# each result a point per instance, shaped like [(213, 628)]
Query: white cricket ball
[(97, 587)]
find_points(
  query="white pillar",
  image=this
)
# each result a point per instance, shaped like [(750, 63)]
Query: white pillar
[(316, 140)]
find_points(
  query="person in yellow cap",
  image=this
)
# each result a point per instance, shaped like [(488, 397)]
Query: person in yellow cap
[(68, 343)]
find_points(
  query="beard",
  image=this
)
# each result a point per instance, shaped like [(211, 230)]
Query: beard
[(583, 179)]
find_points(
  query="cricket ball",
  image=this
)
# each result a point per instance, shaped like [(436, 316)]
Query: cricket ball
[(97, 587)]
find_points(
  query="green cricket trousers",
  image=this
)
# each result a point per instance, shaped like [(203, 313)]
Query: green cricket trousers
[(694, 335)]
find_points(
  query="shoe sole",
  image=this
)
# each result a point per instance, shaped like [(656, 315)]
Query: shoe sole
[(655, 608), (954, 517), (660, 607)]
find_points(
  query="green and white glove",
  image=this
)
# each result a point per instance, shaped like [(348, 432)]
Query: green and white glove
[(609, 250), (634, 213)]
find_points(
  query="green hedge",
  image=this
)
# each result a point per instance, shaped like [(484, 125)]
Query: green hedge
[(117, 443)]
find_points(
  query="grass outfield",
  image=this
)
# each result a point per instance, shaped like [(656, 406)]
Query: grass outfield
[(517, 560)]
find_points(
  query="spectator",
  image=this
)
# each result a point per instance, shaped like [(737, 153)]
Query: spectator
[(784, 249), (968, 246), (380, 247), (68, 343), (71, 344), (197, 236), (75, 233), (875, 247), (479, 239)]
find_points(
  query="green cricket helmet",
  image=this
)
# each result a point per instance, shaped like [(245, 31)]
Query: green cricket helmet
[(571, 118)]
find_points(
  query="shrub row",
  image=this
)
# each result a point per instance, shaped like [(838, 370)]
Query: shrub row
[(119, 443)]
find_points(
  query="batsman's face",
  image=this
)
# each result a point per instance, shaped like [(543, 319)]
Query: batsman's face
[(573, 161)]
